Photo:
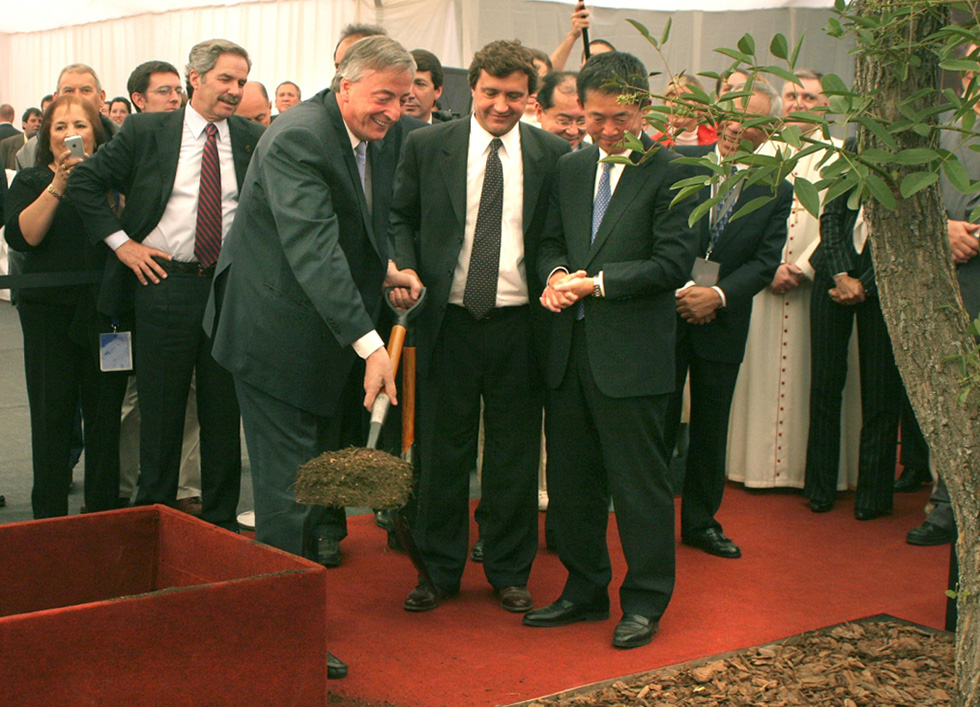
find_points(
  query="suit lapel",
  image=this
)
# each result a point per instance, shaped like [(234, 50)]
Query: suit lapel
[(531, 157), (347, 154), (580, 203), (241, 150), (170, 134), (453, 169)]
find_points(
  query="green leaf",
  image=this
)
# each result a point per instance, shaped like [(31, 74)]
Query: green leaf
[(922, 129), (784, 74), (832, 84), (876, 156), (684, 194), (956, 174), (616, 159), (918, 155), (808, 195), (796, 51), (974, 215), (633, 142), (854, 199), (641, 28), (701, 209), (880, 191), (791, 135), (779, 47), (756, 203), (666, 34), (746, 44), (917, 181), (950, 593), (737, 56), (958, 64)]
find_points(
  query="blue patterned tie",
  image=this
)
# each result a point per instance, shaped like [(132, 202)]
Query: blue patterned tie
[(360, 154), (602, 196)]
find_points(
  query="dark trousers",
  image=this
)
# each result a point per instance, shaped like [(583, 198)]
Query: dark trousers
[(171, 346), (490, 360), (60, 370), (712, 386), (599, 447), (281, 438), (881, 396)]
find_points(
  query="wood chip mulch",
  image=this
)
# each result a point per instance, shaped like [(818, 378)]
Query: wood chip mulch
[(867, 664)]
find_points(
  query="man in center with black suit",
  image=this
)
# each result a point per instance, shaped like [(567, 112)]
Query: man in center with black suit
[(470, 201), (736, 260), (181, 173), (612, 254)]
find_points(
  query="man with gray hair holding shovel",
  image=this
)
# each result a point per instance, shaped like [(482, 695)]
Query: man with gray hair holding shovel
[(298, 287)]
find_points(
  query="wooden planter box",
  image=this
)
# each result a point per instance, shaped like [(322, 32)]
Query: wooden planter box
[(149, 606)]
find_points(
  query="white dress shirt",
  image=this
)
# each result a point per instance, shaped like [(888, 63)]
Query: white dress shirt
[(512, 278), (175, 232)]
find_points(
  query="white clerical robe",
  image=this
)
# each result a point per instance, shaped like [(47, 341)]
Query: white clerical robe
[(767, 432)]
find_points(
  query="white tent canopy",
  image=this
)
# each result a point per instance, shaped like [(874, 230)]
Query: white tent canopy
[(294, 39)]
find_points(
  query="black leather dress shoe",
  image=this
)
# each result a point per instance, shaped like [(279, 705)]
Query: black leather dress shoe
[(328, 552), (821, 506), (930, 534), (634, 630), (869, 513), (714, 542), (564, 612), (477, 554), (911, 479), (336, 668), (424, 597)]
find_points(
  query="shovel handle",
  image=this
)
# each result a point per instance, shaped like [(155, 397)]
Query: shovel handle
[(408, 399), (395, 343)]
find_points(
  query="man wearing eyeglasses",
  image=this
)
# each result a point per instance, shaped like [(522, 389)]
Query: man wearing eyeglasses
[(558, 110), (154, 86)]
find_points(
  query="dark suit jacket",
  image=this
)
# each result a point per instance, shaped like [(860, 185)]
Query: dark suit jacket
[(140, 162), (749, 250), (644, 249), (300, 274), (8, 150), (7, 130), (428, 213)]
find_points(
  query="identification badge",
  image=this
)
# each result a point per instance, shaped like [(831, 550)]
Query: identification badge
[(705, 272), (116, 351)]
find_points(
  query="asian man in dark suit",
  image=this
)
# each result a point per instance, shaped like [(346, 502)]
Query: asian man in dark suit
[(181, 173), (470, 201), (612, 255), (737, 259)]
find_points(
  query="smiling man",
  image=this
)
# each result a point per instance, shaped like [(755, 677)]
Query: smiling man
[(612, 254), (181, 172), (298, 289), (470, 201)]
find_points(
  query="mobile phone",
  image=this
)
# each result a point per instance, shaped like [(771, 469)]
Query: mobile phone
[(74, 144)]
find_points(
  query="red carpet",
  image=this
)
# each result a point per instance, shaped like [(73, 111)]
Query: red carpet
[(799, 571)]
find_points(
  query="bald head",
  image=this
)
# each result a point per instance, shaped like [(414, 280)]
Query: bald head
[(255, 104)]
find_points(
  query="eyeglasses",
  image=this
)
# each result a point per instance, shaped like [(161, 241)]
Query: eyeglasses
[(566, 122), (167, 90)]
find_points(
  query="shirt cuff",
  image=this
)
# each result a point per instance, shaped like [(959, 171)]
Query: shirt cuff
[(689, 283), (552, 273), (368, 344), (601, 283), (724, 300), (114, 240)]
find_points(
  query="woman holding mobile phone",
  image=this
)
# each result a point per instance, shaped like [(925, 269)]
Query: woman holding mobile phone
[(60, 324)]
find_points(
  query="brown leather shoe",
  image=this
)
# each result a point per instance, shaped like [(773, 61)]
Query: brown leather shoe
[(424, 597), (190, 506), (516, 599)]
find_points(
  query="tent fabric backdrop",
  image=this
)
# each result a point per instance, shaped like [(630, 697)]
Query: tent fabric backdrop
[(294, 39), (287, 40)]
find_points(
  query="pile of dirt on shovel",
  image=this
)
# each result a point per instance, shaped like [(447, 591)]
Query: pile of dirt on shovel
[(355, 476)]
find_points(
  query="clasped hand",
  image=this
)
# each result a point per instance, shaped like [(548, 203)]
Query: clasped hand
[(698, 305), (565, 289)]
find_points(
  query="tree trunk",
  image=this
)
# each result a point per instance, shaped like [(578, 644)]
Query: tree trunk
[(922, 307)]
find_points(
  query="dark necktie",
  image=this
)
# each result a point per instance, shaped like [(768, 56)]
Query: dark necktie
[(480, 294), (207, 236)]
